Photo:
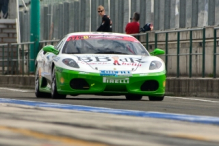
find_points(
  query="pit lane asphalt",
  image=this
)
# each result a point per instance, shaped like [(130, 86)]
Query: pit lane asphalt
[(179, 105), (60, 127)]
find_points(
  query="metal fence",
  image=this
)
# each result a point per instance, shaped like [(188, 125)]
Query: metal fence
[(15, 59), (215, 52), (178, 54), (18, 62)]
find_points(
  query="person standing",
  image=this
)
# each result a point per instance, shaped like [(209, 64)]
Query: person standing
[(133, 27), (4, 8), (105, 25)]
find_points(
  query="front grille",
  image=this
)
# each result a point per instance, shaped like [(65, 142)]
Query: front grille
[(79, 83), (150, 85)]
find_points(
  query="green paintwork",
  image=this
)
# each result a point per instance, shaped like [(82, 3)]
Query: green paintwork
[(50, 48), (157, 51), (98, 87)]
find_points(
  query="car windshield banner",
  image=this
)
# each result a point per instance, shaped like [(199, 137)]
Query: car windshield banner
[(110, 37)]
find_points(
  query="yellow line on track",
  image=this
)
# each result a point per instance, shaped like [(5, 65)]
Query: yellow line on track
[(189, 136), (62, 139)]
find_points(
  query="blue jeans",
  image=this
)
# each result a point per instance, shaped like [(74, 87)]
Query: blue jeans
[(4, 6)]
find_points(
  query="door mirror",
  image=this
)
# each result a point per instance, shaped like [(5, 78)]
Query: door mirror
[(50, 48), (157, 51)]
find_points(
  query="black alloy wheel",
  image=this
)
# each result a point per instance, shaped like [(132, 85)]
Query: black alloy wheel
[(54, 93), (37, 86)]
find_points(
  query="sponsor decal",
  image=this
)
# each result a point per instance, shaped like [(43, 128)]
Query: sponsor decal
[(56, 59), (130, 64), (116, 80), (143, 74), (115, 73), (80, 37), (50, 56), (75, 37), (83, 73), (115, 60), (86, 37)]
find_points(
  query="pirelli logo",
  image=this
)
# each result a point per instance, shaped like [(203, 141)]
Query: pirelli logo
[(116, 80)]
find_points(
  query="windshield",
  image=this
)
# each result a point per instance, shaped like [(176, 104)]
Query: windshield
[(103, 46)]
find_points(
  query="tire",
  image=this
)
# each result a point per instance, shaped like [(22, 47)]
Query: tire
[(37, 83), (54, 93), (155, 98), (133, 97)]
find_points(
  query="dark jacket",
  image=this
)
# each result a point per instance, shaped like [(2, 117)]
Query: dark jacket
[(105, 25)]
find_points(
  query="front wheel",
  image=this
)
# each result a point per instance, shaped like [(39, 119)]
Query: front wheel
[(155, 98), (37, 86), (133, 97), (54, 93)]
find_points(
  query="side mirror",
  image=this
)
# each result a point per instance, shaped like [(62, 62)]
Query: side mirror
[(157, 51), (50, 48)]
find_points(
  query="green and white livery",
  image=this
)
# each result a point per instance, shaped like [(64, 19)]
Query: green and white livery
[(100, 64)]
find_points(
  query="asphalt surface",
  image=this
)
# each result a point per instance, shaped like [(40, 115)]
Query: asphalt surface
[(23, 125), (186, 105)]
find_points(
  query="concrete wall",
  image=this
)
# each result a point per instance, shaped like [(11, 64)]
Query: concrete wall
[(200, 87)]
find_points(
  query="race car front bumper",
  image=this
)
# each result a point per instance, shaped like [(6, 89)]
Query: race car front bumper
[(74, 82)]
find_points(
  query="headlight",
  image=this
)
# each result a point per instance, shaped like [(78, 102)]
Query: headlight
[(155, 65), (70, 62)]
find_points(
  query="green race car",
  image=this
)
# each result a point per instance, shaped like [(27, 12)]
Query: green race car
[(100, 64)]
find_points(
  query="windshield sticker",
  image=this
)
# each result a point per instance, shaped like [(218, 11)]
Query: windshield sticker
[(84, 37), (115, 73)]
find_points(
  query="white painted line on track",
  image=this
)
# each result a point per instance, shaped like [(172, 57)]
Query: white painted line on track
[(196, 99), (204, 100), (16, 90)]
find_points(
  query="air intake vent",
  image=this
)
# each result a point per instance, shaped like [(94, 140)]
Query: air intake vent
[(150, 85), (79, 83)]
